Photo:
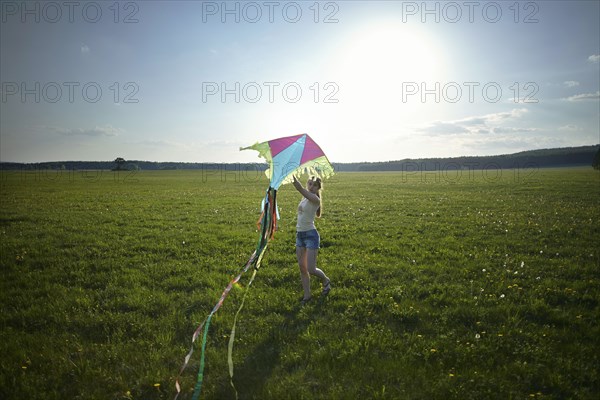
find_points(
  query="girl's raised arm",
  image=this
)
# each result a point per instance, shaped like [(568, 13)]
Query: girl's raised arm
[(310, 196)]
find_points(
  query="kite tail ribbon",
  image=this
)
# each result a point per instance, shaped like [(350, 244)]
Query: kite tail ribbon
[(205, 324), (267, 224), (232, 335)]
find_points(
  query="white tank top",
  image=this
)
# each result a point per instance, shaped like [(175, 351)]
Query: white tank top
[(307, 210)]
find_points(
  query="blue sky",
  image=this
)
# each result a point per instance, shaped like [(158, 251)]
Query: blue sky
[(369, 81)]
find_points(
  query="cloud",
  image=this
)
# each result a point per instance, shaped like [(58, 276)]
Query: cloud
[(478, 125), (500, 129), (471, 121), (495, 117), (584, 96), (523, 100), (571, 83), (85, 49), (225, 143), (157, 143), (499, 144), (594, 58), (439, 127), (107, 130), (569, 128), (514, 113)]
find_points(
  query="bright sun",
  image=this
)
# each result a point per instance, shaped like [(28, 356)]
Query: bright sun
[(380, 58)]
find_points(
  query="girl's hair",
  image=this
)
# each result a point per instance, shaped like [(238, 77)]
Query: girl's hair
[(320, 194)]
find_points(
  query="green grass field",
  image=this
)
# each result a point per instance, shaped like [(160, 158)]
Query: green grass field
[(470, 285)]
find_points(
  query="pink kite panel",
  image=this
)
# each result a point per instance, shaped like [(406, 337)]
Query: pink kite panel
[(311, 151), (278, 145)]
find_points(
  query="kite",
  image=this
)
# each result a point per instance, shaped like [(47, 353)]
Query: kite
[(286, 156), (292, 154)]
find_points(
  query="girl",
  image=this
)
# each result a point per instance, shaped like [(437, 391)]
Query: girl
[(307, 237)]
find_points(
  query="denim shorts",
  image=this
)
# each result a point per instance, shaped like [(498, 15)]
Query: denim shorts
[(309, 239)]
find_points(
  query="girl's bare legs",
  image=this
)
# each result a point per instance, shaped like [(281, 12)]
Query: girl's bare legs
[(304, 275), (307, 261), (311, 256)]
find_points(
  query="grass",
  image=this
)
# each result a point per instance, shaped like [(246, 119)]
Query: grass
[(481, 285)]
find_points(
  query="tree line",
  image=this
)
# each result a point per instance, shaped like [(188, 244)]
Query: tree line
[(559, 157)]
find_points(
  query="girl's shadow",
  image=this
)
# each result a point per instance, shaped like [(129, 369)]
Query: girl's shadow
[(251, 376)]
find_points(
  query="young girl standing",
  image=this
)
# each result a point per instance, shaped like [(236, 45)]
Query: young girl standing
[(307, 236)]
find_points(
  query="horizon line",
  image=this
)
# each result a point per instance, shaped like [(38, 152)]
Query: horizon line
[(333, 162)]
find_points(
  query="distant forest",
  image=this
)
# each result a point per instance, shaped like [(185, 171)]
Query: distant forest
[(559, 157)]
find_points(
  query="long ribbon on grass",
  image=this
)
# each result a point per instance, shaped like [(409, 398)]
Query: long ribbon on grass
[(206, 323), (232, 335), (267, 224)]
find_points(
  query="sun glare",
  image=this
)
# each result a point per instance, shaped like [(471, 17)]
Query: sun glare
[(395, 52), (379, 58), (372, 68)]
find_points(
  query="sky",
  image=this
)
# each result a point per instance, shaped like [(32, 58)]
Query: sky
[(194, 81)]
